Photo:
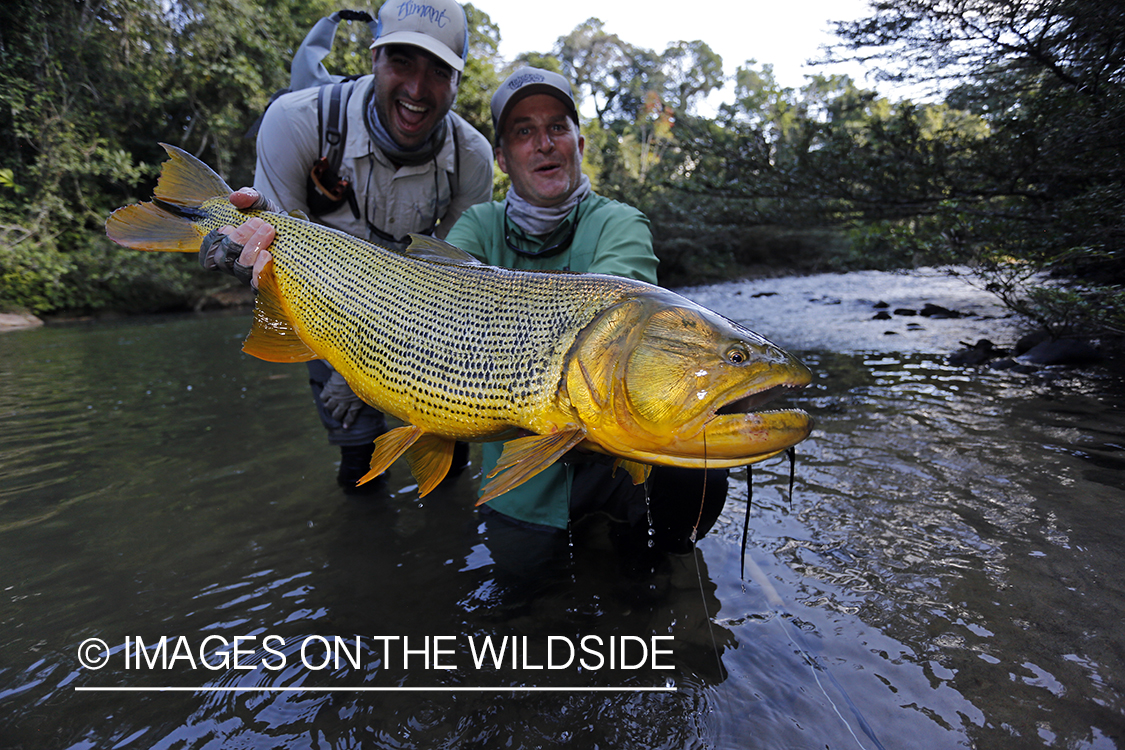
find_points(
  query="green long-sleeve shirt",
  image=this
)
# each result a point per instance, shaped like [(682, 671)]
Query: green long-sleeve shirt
[(608, 237)]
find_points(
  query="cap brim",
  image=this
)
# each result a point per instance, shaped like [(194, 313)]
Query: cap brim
[(530, 90), (426, 42)]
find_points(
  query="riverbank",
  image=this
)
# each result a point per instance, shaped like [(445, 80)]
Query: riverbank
[(925, 310), (18, 321)]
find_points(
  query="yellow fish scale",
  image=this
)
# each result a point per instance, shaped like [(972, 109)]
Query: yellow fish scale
[(464, 350)]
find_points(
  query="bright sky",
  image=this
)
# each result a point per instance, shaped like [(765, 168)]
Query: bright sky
[(783, 34)]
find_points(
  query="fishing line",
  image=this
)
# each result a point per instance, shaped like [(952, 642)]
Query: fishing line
[(695, 558), (746, 518), (781, 613), (792, 453)]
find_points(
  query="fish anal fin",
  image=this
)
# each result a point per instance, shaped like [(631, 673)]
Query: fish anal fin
[(145, 226), (431, 248), (525, 457), (186, 181), (273, 336), (430, 458), (638, 471), (388, 447)]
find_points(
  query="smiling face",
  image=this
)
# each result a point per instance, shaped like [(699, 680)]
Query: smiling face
[(541, 150), (413, 92)]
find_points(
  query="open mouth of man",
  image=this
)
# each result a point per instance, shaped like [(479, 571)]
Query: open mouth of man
[(412, 116)]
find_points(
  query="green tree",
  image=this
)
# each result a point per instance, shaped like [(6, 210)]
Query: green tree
[(691, 70), (1042, 196)]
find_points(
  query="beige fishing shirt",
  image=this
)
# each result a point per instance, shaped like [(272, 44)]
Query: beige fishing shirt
[(396, 200)]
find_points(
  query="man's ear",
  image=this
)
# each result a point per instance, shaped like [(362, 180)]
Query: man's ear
[(500, 160), (581, 146)]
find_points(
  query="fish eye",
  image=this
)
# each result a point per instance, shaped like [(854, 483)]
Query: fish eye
[(736, 355)]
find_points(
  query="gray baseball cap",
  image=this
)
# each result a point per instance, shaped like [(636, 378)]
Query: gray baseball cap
[(525, 82), (437, 26)]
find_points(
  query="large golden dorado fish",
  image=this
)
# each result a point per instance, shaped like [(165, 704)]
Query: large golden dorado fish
[(458, 350)]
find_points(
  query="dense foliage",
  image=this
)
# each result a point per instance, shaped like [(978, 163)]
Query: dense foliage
[(1014, 168)]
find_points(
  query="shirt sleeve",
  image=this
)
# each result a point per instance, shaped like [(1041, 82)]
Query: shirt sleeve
[(468, 234), (474, 182), (287, 147), (625, 248)]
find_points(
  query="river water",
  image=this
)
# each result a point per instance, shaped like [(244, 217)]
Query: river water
[(947, 572)]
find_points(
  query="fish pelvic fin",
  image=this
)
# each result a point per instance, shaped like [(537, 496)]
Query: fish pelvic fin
[(525, 457), (430, 458), (638, 471), (388, 447), (273, 337)]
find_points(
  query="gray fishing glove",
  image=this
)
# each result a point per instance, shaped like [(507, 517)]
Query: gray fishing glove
[(218, 252), (340, 400)]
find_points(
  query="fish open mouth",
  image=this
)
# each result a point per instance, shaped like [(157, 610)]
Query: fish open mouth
[(755, 401)]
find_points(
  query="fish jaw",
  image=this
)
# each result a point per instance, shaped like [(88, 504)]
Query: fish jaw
[(663, 381)]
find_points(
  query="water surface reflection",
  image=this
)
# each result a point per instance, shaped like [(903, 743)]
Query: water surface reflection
[(947, 569)]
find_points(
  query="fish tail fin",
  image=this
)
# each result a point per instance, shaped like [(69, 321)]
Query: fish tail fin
[(149, 226), (273, 336), (168, 223), (186, 181)]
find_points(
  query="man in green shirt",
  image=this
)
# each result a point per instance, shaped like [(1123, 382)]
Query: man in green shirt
[(551, 220)]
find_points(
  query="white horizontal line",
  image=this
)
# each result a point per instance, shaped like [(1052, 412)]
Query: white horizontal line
[(515, 689)]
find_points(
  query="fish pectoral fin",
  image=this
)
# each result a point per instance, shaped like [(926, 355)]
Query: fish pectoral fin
[(638, 471), (273, 336), (431, 248), (430, 458), (388, 447), (525, 457)]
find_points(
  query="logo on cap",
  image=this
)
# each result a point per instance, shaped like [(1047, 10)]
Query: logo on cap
[(526, 78), (426, 12)]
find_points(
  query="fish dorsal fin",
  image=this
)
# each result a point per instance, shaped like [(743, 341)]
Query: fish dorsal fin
[(430, 458), (525, 457), (638, 471), (186, 181), (273, 337), (388, 447), (431, 248)]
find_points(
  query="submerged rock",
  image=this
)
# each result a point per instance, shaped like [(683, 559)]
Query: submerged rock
[(937, 311), (1061, 352), (976, 354)]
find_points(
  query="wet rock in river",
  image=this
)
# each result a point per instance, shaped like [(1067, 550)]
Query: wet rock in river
[(1061, 352), (975, 354), (937, 311)]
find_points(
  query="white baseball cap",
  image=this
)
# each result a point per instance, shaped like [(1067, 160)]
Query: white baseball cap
[(437, 26)]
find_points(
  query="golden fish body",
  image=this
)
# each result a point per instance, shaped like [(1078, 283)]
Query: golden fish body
[(462, 351)]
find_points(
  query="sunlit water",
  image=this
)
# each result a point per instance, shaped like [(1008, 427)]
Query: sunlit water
[(946, 574)]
